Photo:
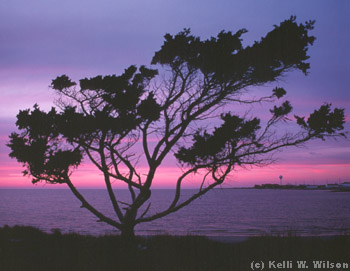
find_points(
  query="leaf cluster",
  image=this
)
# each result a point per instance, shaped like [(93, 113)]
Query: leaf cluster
[(323, 122), (224, 58), (221, 144)]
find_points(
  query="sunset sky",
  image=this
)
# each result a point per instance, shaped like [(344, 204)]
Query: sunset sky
[(40, 40)]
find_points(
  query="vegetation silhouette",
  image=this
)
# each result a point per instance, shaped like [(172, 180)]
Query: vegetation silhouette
[(26, 248), (112, 119)]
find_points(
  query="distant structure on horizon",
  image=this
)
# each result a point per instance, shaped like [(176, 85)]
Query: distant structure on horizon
[(281, 177)]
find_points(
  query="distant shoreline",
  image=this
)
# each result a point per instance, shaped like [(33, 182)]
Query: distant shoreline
[(333, 188)]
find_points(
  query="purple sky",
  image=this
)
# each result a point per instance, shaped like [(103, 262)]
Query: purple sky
[(40, 40)]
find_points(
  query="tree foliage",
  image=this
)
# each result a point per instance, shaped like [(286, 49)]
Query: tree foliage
[(106, 118)]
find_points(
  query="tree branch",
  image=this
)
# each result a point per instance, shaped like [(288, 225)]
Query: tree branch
[(107, 180), (87, 205)]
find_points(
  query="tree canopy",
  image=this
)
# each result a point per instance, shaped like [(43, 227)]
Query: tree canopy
[(106, 118)]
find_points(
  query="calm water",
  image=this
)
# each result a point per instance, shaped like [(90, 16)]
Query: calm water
[(222, 212)]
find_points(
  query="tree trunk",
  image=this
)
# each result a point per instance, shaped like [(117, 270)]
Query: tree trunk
[(128, 225), (128, 233)]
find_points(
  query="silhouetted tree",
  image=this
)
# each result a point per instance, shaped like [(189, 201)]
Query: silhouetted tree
[(107, 118)]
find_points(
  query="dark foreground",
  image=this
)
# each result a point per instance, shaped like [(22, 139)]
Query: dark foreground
[(26, 248)]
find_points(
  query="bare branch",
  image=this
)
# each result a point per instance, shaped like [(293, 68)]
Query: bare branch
[(87, 205)]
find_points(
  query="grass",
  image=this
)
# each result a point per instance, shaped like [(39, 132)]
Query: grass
[(27, 248)]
